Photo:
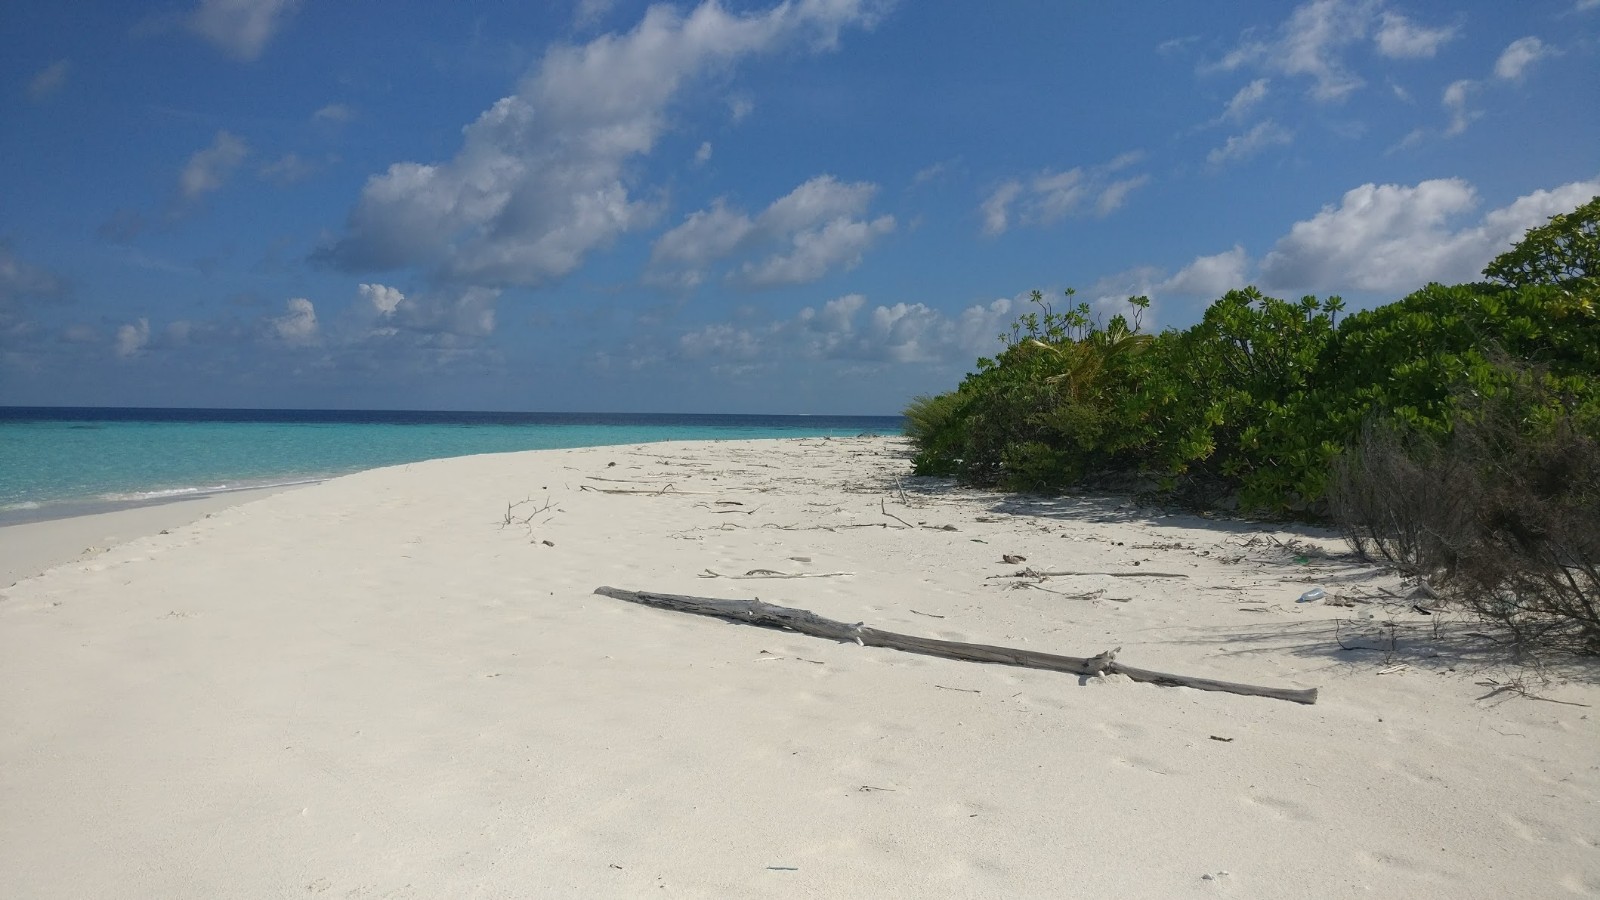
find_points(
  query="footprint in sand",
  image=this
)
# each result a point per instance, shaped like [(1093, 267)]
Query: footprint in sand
[(1122, 731), (1144, 764), (1282, 809)]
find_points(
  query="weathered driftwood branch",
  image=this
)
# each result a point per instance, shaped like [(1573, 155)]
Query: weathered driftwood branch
[(755, 612)]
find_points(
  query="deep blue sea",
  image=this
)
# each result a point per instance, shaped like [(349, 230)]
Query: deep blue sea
[(66, 461)]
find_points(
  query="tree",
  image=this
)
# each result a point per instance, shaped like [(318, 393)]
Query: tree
[(1564, 252)]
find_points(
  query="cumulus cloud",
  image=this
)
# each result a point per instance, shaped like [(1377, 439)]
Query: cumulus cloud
[(450, 316), (1210, 276), (1051, 196), (1394, 238), (818, 227), (1518, 56), (1241, 147), (1400, 38), (298, 326), (541, 178), (209, 169), (240, 28), (1313, 41), (132, 338), (815, 252), (844, 329), (50, 80), (383, 299)]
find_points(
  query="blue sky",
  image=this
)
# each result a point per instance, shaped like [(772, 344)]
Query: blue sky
[(819, 206)]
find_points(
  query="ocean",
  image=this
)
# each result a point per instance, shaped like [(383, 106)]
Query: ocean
[(57, 462)]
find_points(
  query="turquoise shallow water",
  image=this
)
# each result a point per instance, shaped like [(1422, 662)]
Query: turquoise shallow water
[(61, 462)]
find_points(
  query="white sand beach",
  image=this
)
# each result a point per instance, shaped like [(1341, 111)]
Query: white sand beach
[(377, 686)]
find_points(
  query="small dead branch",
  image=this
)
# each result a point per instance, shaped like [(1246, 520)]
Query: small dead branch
[(1085, 595), (511, 517), (929, 615), (1520, 689), (772, 573), (1035, 573), (669, 488), (884, 506)]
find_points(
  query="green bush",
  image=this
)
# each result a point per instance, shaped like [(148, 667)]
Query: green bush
[(1261, 397)]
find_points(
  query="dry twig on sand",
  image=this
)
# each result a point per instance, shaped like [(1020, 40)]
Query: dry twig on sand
[(773, 573)]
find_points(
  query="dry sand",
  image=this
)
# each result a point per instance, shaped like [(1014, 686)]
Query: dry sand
[(375, 687)]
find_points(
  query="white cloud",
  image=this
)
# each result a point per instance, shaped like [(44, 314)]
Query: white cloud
[(1116, 193), (209, 168), (1399, 38), (704, 237), (290, 168), (1245, 100), (816, 228), (298, 326), (1210, 276), (132, 338), (590, 12), (840, 243), (384, 299), (1051, 196), (1586, 5), (1413, 138), (1313, 41), (333, 112), (902, 333), (542, 176), (1455, 100), (241, 28), (50, 80), (20, 280), (1309, 44), (463, 314), (703, 155), (1519, 55), (1240, 147), (996, 208), (930, 173), (1394, 238)]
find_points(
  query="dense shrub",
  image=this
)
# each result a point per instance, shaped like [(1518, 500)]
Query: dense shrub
[(1501, 516), (1261, 397)]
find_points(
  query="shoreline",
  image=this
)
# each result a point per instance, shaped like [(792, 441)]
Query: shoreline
[(31, 547), (401, 683)]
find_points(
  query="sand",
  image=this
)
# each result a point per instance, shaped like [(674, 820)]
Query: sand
[(378, 687)]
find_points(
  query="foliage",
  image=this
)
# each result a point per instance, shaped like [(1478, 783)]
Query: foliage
[(1565, 252), (1262, 396)]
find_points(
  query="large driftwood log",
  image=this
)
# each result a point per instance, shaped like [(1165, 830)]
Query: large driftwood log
[(755, 612)]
